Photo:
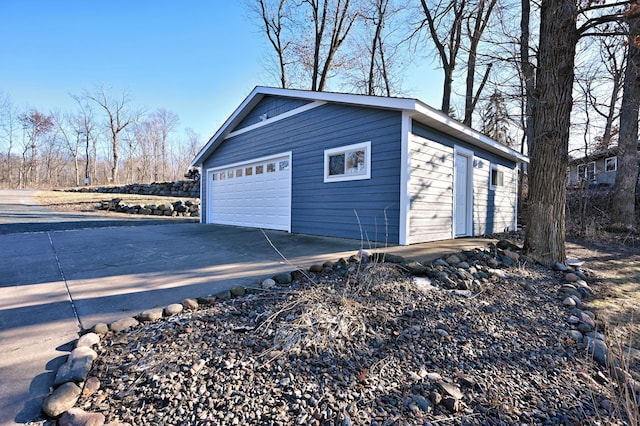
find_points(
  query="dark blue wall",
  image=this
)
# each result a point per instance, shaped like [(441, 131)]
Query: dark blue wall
[(271, 106), (330, 208)]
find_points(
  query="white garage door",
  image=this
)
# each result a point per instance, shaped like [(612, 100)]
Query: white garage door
[(254, 194)]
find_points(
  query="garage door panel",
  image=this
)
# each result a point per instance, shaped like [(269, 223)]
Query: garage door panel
[(258, 196)]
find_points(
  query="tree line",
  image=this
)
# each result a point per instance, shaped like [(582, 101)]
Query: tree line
[(542, 77), (105, 140)]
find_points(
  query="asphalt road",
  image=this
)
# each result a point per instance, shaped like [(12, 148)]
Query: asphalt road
[(20, 212)]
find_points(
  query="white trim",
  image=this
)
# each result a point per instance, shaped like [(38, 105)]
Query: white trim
[(366, 146), (516, 171), (202, 219), (615, 164), (279, 117), (468, 154), (253, 160), (404, 234), (496, 167), (585, 168)]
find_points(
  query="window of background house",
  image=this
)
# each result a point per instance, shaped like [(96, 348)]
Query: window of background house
[(611, 164), (587, 171), (351, 162)]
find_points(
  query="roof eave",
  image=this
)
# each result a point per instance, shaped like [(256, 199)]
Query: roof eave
[(444, 123), (413, 107)]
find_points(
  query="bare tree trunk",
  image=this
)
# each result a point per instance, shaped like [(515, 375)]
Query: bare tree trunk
[(481, 20), (448, 45), (611, 111), (528, 72), (623, 213), (342, 24), (274, 27), (545, 231), (118, 118)]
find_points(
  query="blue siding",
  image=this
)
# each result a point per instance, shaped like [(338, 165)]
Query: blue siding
[(271, 106), (337, 209)]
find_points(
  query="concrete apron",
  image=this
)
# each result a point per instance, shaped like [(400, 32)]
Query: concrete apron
[(54, 283)]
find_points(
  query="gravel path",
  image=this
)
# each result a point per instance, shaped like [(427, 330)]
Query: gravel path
[(475, 341)]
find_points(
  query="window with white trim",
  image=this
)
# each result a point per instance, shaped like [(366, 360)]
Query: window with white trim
[(611, 164), (351, 162), (587, 171), (497, 178)]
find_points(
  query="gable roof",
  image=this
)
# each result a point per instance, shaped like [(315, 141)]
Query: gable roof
[(416, 109)]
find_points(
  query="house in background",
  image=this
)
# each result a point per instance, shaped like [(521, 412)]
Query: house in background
[(597, 169), (390, 170)]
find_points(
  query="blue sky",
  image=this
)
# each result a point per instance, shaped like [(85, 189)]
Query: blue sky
[(197, 58)]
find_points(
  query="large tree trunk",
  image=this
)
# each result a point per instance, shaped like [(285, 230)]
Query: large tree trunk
[(623, 212), (545, 231)]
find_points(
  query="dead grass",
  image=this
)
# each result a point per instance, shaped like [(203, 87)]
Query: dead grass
[(617, 299), (327, 316)]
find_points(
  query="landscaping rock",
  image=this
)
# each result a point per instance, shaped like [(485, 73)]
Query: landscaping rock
[(173, 309), (91, 386), (61, 400), (238, 291), (88, 340), (77, 366), (190, 304), (79, 417), (598, 350), (268, 284), (283, 278), (123, 324), (415, 268), (100, 328), (150, 315), (314, 268)]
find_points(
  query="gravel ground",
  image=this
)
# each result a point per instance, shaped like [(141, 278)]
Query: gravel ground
[(363, 344)]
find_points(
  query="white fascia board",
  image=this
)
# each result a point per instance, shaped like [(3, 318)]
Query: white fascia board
[(344, 98), (253, 98)]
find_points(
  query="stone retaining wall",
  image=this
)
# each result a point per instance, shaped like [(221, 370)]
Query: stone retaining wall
[(189, 208), (180, 188)]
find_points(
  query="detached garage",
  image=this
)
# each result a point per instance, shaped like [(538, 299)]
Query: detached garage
[(389, 170)]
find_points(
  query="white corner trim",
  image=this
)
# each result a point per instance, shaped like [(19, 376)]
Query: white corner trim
[(404, 237), (279, 117)]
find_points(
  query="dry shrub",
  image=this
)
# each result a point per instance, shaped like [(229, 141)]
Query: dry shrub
[(338, 317)]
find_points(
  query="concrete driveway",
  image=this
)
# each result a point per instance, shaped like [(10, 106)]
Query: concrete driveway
[(67, 272)]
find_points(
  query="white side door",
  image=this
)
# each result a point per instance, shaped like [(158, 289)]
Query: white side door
[(463, 193)]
